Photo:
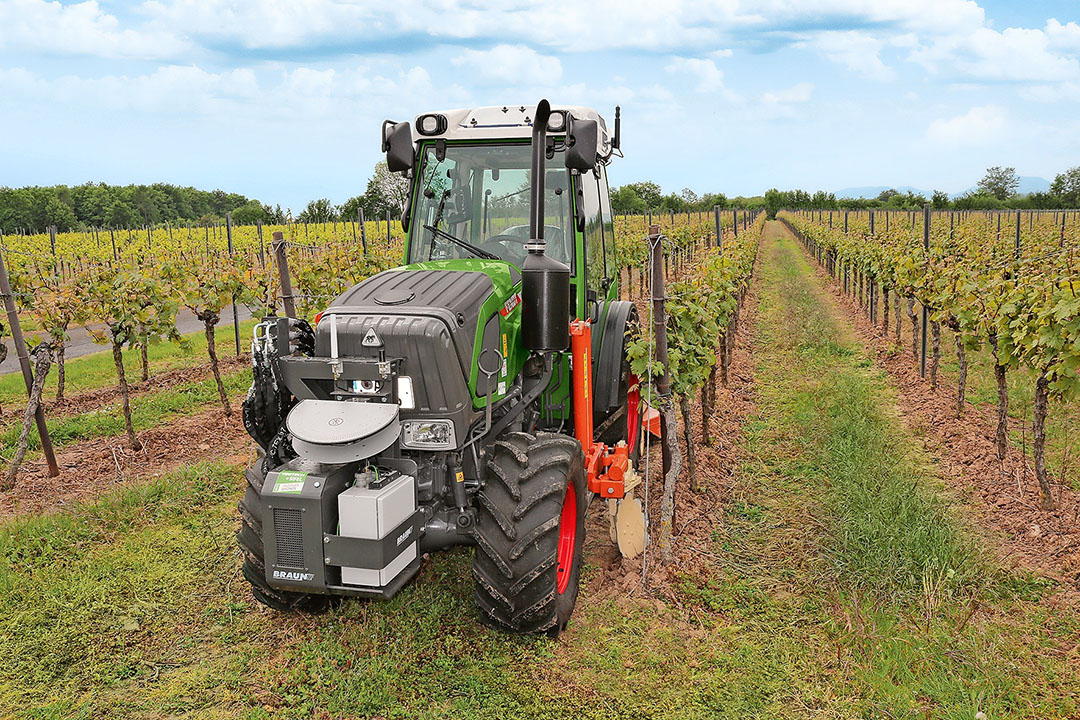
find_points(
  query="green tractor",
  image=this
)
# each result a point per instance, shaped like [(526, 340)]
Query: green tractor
[(477, 395)]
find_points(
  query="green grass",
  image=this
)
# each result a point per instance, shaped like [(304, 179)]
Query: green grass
[(827, 593), (96, 370), (853, 521)]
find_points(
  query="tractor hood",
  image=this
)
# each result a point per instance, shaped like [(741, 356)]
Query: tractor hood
[(453, 297), (439, 317)]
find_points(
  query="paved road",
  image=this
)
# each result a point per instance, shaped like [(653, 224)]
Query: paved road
[(82, 344)]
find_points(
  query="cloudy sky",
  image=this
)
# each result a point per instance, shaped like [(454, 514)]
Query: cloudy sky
[(282, 100)]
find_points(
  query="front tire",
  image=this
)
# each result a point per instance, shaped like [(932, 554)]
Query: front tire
[(530, 532)]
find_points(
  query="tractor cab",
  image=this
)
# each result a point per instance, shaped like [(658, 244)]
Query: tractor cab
[(472, 179)]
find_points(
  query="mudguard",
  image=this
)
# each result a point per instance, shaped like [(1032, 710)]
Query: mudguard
[(609, 382)]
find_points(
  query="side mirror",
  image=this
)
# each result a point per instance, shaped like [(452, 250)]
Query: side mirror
[(397, 143), (582, 138)]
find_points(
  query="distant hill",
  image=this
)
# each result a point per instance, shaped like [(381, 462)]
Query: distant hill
[(1028, 184)]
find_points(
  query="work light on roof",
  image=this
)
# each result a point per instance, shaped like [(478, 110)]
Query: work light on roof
[(431, 124), (556, 122)]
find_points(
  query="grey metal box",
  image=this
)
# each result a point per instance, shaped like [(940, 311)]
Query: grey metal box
[(371, 514)]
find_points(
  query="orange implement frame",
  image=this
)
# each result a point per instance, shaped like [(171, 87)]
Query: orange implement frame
[(605, 467)]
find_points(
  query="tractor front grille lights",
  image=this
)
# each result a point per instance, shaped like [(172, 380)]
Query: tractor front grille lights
[(428, 435), (431, 124)]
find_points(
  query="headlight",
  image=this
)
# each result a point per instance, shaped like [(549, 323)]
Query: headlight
[(428, 434)]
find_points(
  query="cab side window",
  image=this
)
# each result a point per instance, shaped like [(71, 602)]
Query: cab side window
[(607, 223), (594, 236)]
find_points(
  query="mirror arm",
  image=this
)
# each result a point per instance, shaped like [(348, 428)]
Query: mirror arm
[(579, 201)]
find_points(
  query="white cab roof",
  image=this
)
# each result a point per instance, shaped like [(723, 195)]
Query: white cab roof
[(507, 121)]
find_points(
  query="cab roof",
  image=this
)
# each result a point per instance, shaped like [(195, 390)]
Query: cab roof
[(506, 121)]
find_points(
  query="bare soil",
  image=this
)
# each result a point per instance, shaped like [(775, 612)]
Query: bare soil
[(89, 468), (697, 514)]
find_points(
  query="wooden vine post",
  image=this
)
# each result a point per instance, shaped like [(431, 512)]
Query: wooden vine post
[(27, 372), (363, 232), (283, 274), (235, 312), (669, 438), (925, 310)]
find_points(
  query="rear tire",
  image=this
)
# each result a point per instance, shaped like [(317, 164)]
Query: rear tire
[(628, 415), (249, 537), (530, 532)]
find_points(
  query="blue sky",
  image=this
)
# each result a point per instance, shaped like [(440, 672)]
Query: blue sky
[(283, 100)]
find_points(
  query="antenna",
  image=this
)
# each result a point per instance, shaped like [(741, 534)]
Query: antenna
[(616, 140)]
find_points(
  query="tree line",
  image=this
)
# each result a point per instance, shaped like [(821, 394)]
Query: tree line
[(34, 209), (386, 192), (997, 190)]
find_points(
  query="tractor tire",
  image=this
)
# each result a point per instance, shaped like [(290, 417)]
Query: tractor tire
[(250, 539), (529, 533)]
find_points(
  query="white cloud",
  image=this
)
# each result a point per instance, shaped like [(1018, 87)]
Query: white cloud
[(1066, 91), (510, 65), (948, 37), (83, 28), (782, 103), (253, 24), (1014, 54), (683, 25), (1063, 37), (980, 125), (856, 50), (708, 77), (175, 90)]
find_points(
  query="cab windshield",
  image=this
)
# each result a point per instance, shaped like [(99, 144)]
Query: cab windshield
[(479, 194)]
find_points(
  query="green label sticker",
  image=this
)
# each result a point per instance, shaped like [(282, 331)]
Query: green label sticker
[(289, 481)]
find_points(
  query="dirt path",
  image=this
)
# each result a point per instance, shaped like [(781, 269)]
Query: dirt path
[(698, 515), (1003, 495)]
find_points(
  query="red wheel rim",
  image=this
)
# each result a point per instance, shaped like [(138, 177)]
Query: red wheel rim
[(633, 406), (567, 538)]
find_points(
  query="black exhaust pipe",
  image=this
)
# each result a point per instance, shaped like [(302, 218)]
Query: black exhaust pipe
[(545, 282)]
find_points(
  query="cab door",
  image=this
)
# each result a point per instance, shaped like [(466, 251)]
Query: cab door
[(592, 196)]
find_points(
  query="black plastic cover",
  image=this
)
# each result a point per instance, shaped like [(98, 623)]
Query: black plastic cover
[(430, 319), (545, 303), (452, 296)]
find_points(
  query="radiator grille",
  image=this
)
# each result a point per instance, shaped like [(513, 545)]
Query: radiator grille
[(289, 535)]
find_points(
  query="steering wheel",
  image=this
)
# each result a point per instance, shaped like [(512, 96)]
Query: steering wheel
[(495, 244)]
